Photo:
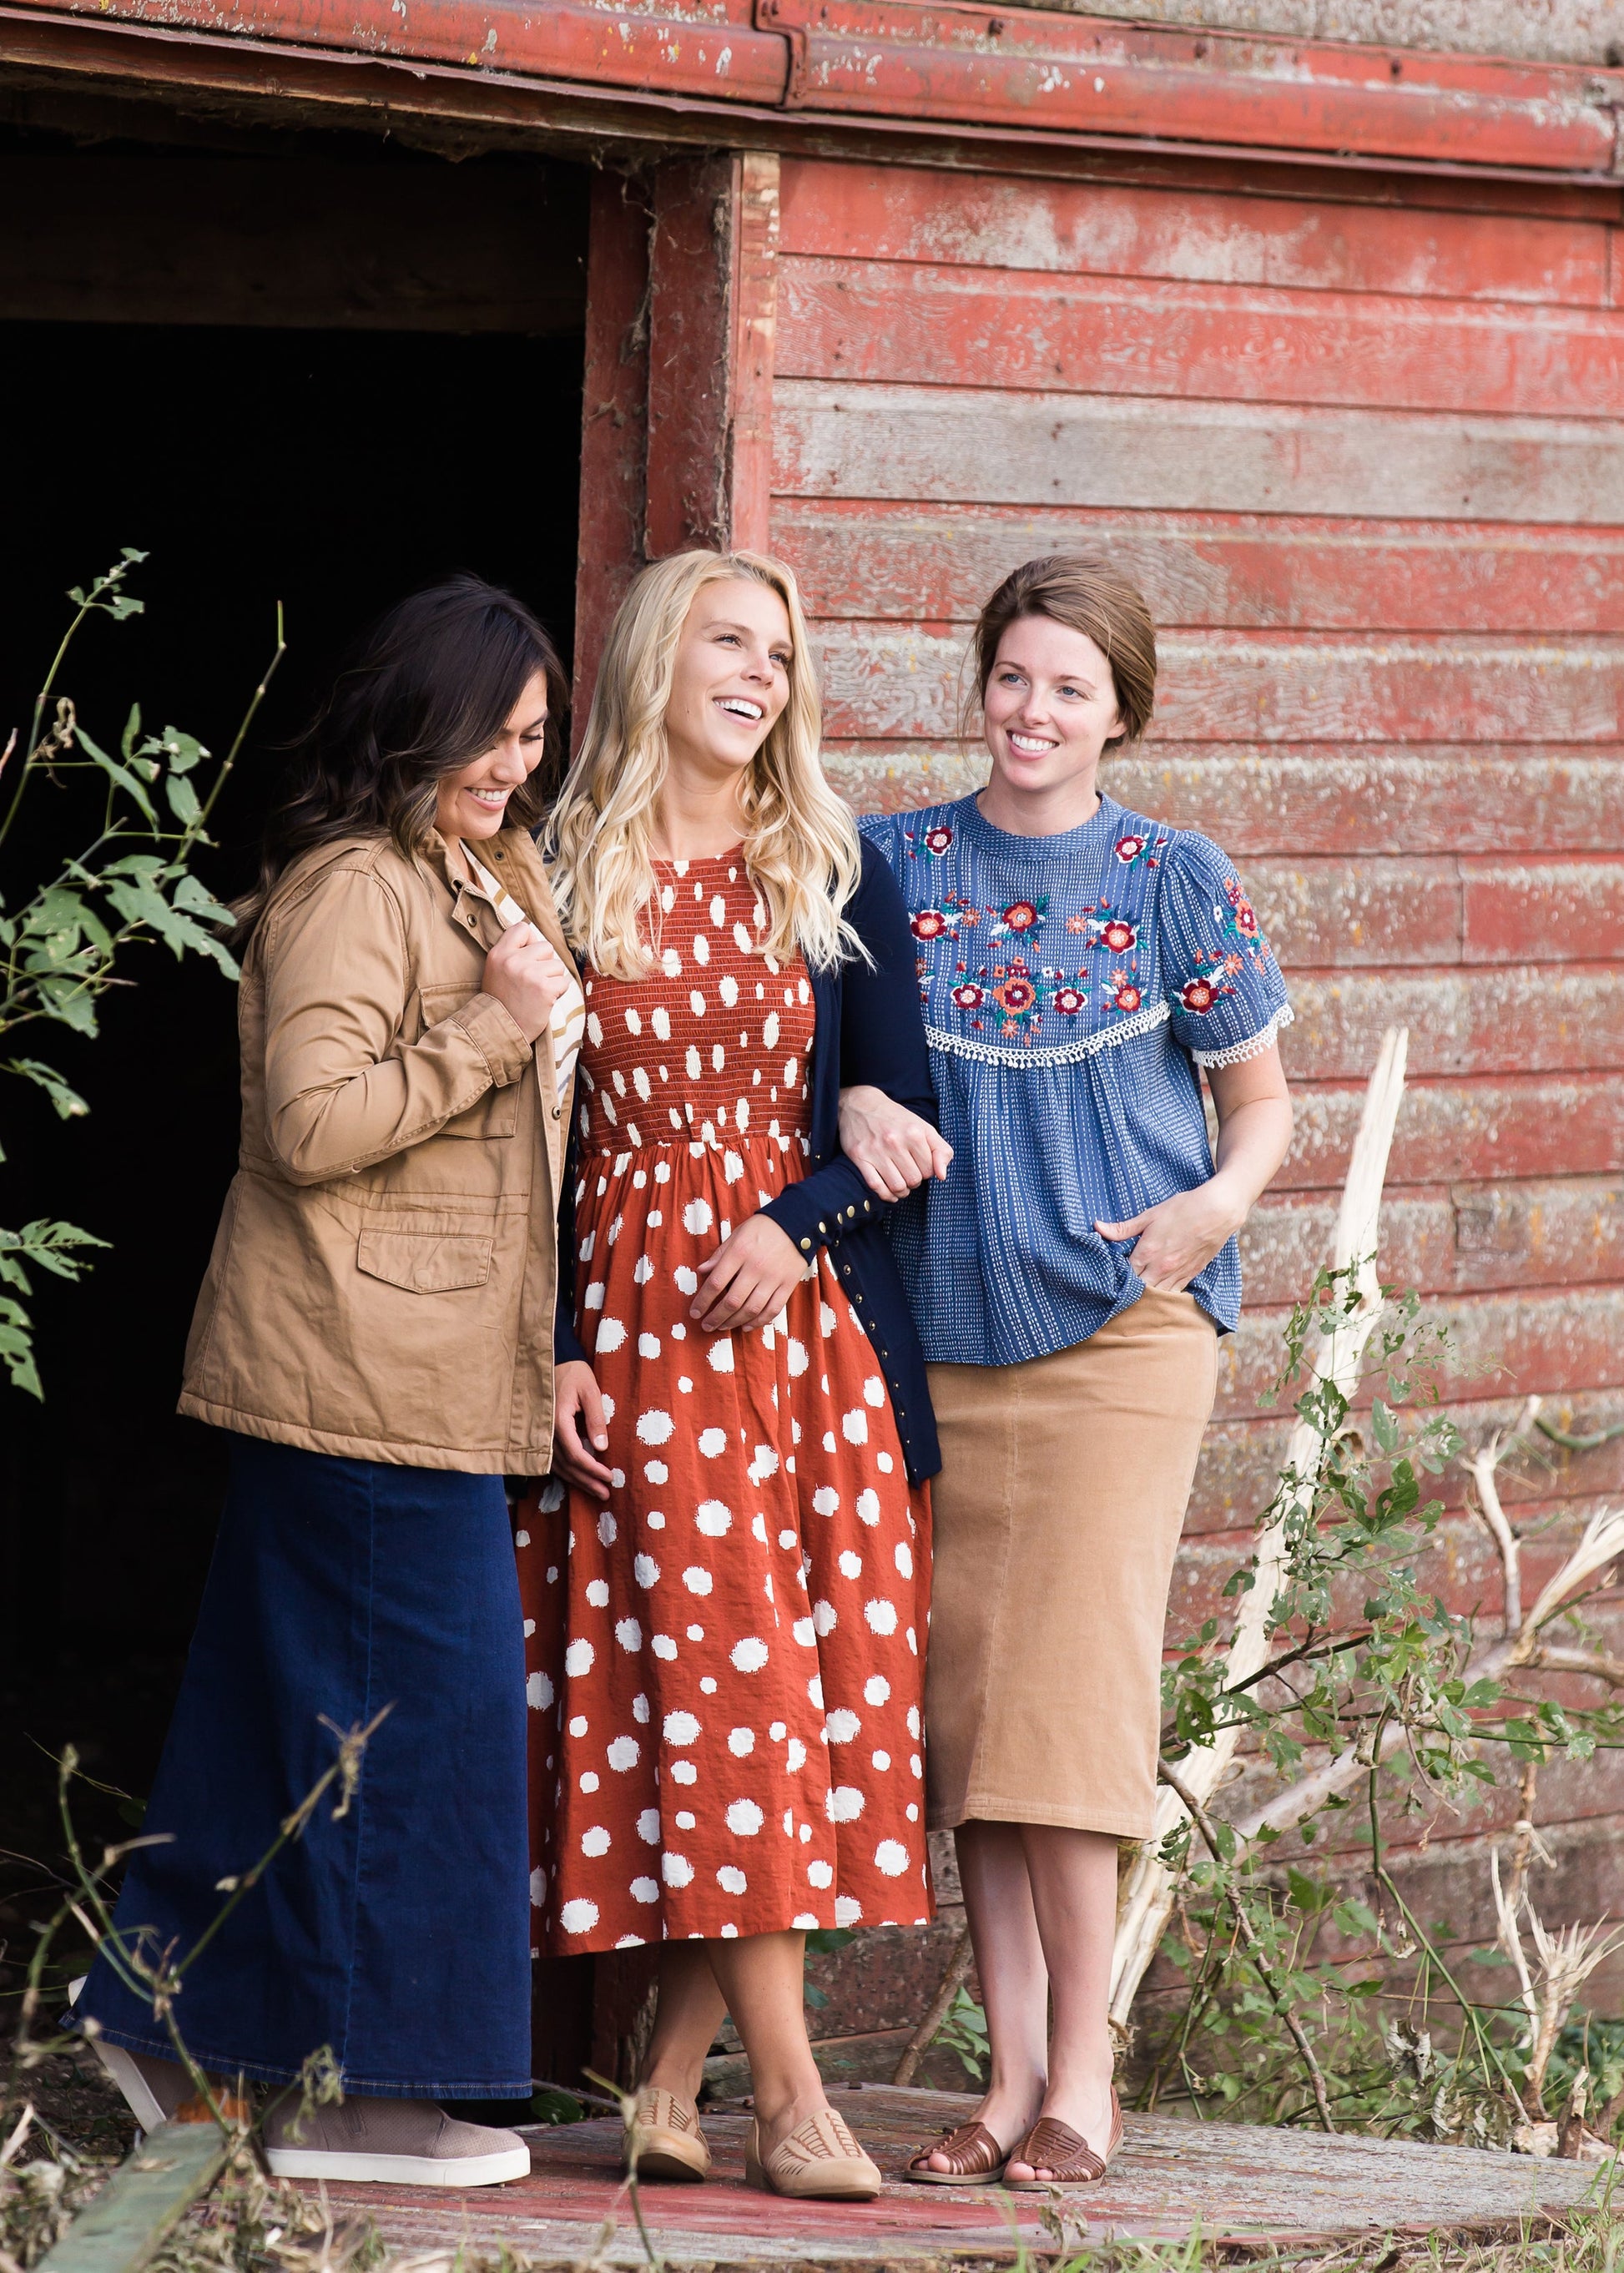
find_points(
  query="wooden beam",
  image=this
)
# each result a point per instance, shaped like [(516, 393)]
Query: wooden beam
[(143, 2201)]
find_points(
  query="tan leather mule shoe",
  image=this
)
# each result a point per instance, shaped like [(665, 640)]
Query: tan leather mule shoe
[(670, 2143), (820, 2161)]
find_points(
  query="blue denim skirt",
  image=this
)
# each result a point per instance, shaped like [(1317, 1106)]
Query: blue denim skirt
[(397, 1931)]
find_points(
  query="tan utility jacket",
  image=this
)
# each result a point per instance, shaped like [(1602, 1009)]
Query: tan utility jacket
[(383, 1278)]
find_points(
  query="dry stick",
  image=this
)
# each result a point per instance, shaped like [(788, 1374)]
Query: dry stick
[(924, 2036), (1142, 1917), (1203, 1824)]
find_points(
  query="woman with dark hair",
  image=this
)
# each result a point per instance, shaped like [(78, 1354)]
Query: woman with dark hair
[(376, 1332), (1081, 966)]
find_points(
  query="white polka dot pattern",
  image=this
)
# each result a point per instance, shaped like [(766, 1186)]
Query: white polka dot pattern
[(725, 1661)]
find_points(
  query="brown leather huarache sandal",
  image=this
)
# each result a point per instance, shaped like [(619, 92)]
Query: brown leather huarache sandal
[(1053, 2146), (975, 2157), (666, 2135)]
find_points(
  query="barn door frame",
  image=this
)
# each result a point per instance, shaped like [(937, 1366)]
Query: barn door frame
[(677, 408)]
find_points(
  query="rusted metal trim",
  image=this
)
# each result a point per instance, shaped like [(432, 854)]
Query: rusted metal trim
[(902, 123)]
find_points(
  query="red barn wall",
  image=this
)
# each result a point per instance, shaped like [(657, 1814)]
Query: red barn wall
[(1361, 441)]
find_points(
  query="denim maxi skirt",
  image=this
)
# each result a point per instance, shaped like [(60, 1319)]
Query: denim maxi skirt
[(399, 1933)]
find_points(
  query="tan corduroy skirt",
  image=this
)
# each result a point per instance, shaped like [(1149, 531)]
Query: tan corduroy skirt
[(1056, 1518)]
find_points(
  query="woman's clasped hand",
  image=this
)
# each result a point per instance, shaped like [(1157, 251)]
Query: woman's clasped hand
[(527, 975)]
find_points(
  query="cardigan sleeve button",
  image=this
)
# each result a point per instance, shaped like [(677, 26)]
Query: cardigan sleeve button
[(823, 1227), (806, 1246)]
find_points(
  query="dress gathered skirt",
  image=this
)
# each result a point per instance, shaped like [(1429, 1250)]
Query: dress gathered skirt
[(727, 1656), (393, 1931)]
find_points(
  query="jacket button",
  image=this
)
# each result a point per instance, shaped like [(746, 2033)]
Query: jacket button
[(883, 1356), (807, 1245), (823, 1227), (556, 1109), (867, 1204), (845, 1269)]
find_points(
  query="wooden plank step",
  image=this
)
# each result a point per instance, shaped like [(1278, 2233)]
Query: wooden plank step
[(1235, 2183), (142, 2202)]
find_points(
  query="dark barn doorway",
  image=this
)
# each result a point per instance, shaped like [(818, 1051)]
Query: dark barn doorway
[(316, 368)]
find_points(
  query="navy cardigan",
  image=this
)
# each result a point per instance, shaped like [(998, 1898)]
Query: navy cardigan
[(868, 1030)]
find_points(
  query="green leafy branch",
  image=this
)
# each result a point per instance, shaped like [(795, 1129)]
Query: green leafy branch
[(133, 884)]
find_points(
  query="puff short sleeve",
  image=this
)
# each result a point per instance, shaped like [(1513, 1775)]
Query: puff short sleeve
[(1226, 997)]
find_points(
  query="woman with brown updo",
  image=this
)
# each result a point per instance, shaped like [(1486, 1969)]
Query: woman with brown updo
[(1081, 966)]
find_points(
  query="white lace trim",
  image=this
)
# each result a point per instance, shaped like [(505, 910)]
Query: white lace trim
[(1087, 1046), (1253, 1047)]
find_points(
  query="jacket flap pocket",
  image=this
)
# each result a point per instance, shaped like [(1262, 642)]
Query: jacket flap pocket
[(425, 1261)]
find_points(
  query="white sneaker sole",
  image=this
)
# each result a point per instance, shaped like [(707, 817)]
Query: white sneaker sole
[(138, 2093), (400, 2170)]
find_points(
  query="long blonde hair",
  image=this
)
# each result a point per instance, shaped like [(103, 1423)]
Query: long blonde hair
[(800, 845)]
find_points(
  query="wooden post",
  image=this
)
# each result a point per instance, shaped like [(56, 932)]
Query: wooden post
[(713, 300), (614, 415), (677, 417)]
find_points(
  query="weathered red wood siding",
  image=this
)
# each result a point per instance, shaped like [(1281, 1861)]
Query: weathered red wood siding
[(1362, 442)]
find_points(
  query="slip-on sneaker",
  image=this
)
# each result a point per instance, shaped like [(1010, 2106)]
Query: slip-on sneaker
[(402, 2142)]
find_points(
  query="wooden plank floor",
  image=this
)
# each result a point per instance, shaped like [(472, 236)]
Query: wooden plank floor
[(1235, 2183)]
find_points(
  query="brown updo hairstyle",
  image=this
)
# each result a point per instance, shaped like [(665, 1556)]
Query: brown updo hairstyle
[(1086, 594)]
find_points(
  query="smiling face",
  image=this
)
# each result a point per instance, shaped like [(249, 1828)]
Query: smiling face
[(473, 802), (1050, 708), (730, 682)]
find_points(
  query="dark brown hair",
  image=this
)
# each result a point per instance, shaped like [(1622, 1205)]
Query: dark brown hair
[(1086, 594), (426, 691)]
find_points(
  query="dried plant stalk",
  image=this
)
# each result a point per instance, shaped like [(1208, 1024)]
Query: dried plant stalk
[(1143, 1915)]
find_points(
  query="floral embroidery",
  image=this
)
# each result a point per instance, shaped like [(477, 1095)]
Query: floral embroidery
[(1020, 917), (1200, 993), (936, 841), (1125, 995), (1022, 992), (1132, 848), (1111, 930), (1246, 915), (944, 922)]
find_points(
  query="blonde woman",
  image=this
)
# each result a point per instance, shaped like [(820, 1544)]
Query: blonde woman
[(732, 1604)]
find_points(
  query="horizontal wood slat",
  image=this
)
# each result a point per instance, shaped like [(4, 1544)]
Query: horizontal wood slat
[(1236, 571), (889, 678), (1465, 1568), (1552, 1343), (1372, 910), (1536, 912), (1475, 1239), (945, 327), (1516, 1124), (914, 443), (706, 49), (1453, 797), (1241, 1460), (984, 221), (1034, 69), (1567, 1019)]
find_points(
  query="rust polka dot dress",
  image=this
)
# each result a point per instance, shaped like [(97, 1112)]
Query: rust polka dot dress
[(726, 1659)]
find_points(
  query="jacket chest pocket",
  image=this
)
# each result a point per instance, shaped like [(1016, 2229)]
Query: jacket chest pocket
[(497, 1112)]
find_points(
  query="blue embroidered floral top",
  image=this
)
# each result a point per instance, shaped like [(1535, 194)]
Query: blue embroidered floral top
[(1071, 987)]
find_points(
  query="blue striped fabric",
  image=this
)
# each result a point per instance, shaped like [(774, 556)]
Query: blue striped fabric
[(1072, 986)]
